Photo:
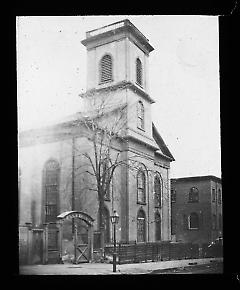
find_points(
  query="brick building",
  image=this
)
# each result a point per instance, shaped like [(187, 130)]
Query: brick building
[(117, 70), (196, 204)]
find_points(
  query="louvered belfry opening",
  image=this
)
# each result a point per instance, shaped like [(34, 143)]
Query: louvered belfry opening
[(139, 71), (106, 69)]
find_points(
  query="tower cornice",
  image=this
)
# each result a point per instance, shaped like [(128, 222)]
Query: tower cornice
[(119, 86), (122, 28)]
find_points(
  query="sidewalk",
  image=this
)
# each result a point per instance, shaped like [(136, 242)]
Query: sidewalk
[(106, 269)]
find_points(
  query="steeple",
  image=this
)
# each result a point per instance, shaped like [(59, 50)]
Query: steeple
[(117, 71)]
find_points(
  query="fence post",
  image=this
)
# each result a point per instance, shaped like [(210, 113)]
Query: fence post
[(169, 252), (145, 250), (45, 243), (29, 243), (119, 253), (135, 252)]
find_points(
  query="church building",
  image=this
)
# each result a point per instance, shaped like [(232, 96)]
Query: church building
[(55, 170)]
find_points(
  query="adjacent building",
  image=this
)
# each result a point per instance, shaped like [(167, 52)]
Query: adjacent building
[(196, 204)]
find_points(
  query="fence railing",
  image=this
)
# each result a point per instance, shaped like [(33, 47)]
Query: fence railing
[(156, 251)]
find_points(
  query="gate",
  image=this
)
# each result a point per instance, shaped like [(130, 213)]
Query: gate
[(82, 226), (82, 250)]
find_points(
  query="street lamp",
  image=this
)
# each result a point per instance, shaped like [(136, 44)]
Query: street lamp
[(114, 220)]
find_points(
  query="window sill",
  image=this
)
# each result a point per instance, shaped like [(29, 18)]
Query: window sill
[(193, 229), (106, 82), (141, 129), (142, 203), (141, 86)]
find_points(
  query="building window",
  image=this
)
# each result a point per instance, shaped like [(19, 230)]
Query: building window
[(173, 195), (193, 195), (141, 187), (213, 195), (219, 196), (140, 110), (141, 226), (106, 225), (193, 221), (157, 191), (51, 187), (157, 226), (106, 69), (214, 222), (139, 72)]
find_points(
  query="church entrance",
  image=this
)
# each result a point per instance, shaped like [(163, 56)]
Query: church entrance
[(75, 237)]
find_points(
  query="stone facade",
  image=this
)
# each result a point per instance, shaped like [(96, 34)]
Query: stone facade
[(206, 207), (56, 142)]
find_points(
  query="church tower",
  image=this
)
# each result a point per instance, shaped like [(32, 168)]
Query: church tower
[(117, 68)]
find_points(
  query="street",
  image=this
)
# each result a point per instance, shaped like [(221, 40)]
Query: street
[(211, 268)]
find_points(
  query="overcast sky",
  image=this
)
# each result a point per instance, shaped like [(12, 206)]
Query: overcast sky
[(184, 79)]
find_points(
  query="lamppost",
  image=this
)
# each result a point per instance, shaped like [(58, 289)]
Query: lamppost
[(114, 220)]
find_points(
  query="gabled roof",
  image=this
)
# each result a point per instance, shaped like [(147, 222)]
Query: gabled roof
[(159, 140)]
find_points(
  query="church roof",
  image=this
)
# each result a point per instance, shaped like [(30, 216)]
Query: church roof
[(159, 140)]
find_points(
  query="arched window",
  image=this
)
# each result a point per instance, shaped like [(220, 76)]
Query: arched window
[(140, 112), (106, 69), (106, 220), (219, 196), (141, 187), (193, 221), (139, 72), (193, 195), (157, 191), (141, 226), (157, 226), (51, 187)]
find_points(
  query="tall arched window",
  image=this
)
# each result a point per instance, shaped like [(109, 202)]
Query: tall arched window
[(106, 69), (193, 195), (157, 191), (219, 196), (106, 220), (141, 226), (51, 187), (193, 222), (140, 111), (139, 71), (157, 226), (141, 187)]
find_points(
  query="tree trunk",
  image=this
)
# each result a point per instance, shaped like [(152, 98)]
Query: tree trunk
[(101, 225)]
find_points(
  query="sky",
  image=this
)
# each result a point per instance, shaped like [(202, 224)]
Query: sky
[(183, 79)]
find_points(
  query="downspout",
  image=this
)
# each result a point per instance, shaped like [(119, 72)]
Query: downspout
[(73, 181), (169, 206), (148, 203)]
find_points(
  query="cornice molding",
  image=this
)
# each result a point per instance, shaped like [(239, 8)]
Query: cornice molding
[(118, 86)]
